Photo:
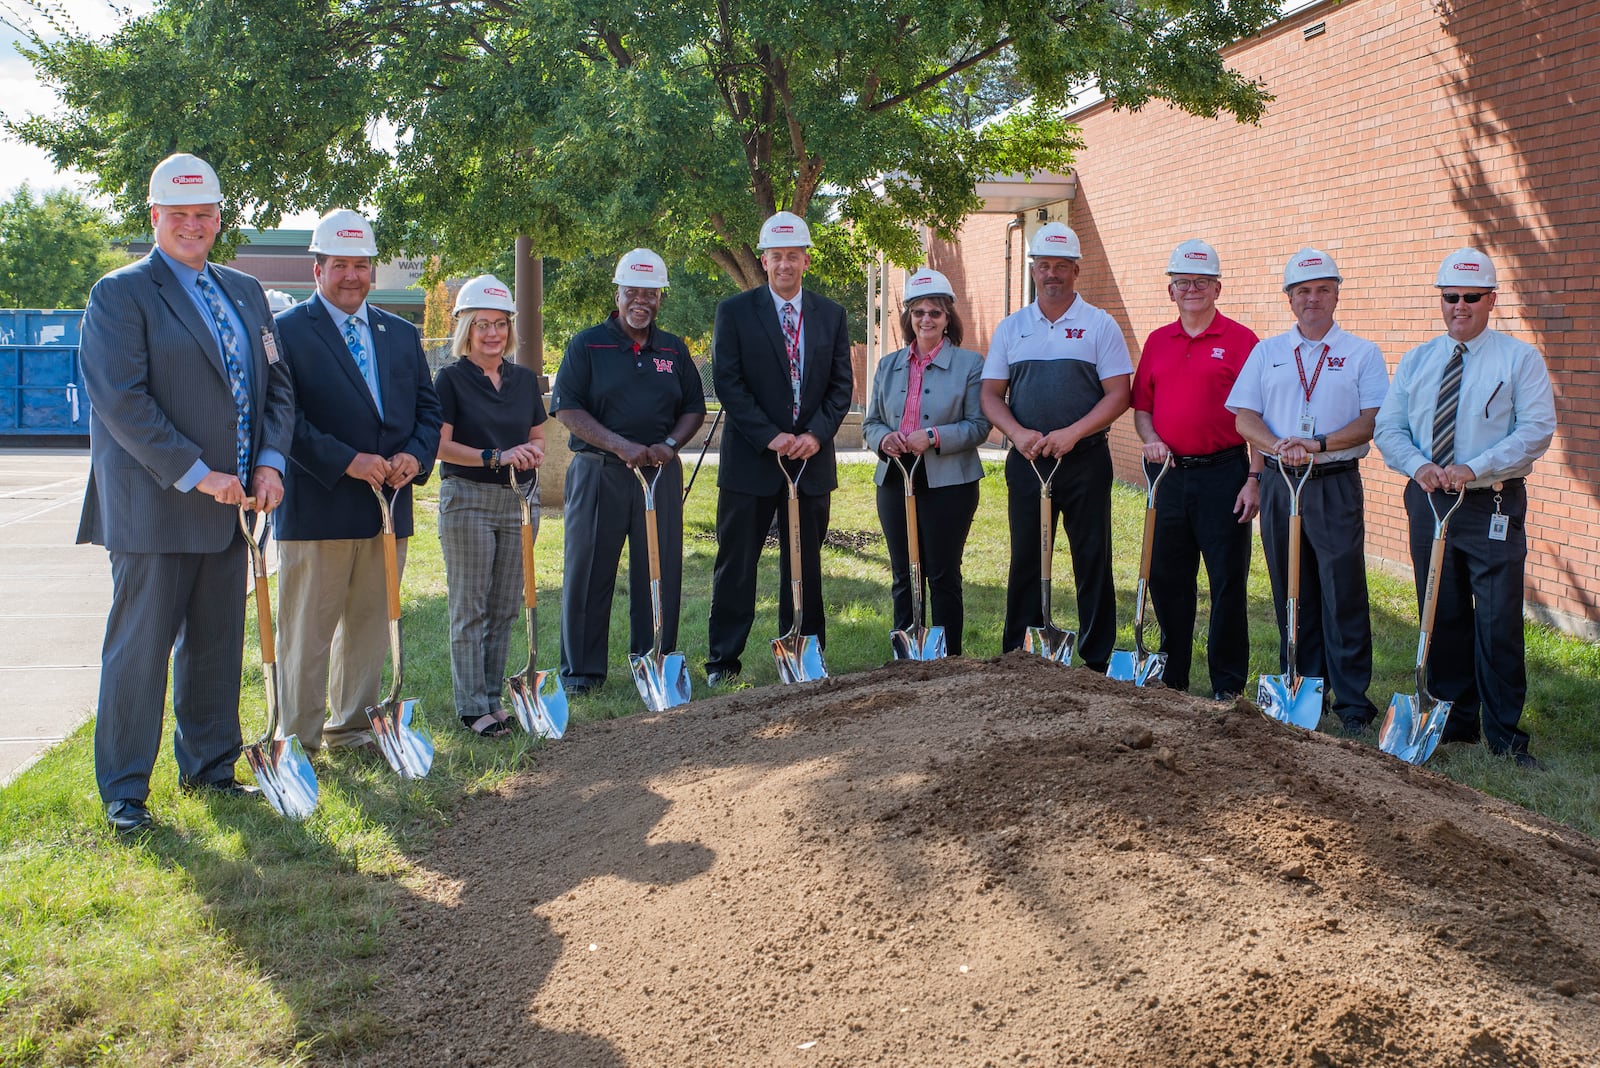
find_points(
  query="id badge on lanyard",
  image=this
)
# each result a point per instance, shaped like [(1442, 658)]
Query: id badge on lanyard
[(1308, 422)]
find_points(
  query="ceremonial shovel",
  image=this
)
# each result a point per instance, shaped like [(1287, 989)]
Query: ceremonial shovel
[(280, 765), (1048, 640), (1288, 698), (1140, 667), (662, 677), (916, 642), (1413, 724), (537, 698), (396, 723), (798, 656)]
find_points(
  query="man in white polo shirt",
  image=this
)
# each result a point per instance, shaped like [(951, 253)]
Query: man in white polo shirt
[(1057, 375), (1310, 395), (1469, 413)]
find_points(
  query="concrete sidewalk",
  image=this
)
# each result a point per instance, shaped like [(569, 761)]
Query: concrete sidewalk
[(53, 601)]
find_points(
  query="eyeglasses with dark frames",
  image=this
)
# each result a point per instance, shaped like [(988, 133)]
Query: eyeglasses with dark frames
[(1470, 298)]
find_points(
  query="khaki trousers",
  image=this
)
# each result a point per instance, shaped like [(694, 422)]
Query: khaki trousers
[(333, 635)]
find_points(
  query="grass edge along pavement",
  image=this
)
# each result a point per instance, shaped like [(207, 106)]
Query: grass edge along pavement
[(230, 936)]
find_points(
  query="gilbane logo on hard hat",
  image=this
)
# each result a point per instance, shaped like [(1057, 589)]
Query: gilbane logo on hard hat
[(1466, 267), (1055, 239), (1309, 265), (927, 283), (486, 292), (642, 269), (784, 230), (1194, 257), (182, 178), (343, 232)]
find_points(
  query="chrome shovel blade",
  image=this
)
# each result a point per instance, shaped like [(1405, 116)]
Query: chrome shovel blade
[(1123, 667), (1300, 706), (799, 658), (403, 738), (1153, 669), (540, 705), (1410, 731), (662, 679), (1051, 642), (283, 771), (919, 643)]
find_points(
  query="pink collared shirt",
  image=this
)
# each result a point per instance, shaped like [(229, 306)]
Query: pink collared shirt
[(915, 365)]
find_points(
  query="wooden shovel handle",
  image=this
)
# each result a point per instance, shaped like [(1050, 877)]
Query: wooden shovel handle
[(652, 538), (269, 648), (530, 584), (1046, 540), (1149, 542), (1430, 596), (1294, 557), (391, 571)]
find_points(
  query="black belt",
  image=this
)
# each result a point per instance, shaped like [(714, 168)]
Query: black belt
[(1335, 467), (1501, 486), (1211, 459)]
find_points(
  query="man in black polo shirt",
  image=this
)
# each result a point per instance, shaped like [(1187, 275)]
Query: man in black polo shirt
[(631, 397)]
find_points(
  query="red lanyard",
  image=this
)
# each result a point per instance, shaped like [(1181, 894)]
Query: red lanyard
[(1316, 374)]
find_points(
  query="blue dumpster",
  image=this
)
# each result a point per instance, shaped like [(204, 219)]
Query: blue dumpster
[(41, 383)]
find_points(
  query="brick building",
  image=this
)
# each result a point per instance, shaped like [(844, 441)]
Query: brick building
[(1401, 129)]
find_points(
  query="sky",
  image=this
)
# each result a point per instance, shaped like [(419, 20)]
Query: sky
[(21, 92)]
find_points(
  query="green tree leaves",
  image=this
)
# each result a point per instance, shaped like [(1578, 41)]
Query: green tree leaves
[(52, 250)]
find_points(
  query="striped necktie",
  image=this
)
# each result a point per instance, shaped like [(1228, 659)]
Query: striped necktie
[(1444, 413), (233, 360)]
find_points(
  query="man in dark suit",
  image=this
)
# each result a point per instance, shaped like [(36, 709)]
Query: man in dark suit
[(366, 417), (189, 399), (781, 362)]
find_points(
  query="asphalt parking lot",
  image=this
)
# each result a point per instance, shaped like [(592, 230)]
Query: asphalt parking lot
[(53, 600)]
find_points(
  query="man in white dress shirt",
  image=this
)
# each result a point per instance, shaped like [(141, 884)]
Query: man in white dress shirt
[(1469, 412)]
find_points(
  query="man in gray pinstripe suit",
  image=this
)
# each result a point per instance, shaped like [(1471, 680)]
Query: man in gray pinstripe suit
[(189, 401)]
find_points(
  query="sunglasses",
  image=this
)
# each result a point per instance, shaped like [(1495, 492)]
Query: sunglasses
[(1470, 298)]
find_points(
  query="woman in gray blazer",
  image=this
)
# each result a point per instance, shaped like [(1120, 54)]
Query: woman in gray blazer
[(925, 402)]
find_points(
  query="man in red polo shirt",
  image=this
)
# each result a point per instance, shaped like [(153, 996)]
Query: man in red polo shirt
[(1205, 504)]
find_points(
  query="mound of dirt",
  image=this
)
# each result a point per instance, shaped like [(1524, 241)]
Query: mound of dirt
[(990, 863)]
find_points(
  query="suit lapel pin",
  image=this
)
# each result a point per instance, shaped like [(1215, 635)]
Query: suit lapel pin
[(382, 329)]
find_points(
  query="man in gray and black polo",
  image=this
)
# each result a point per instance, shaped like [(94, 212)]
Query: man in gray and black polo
[(631, 397), (1056, 377)]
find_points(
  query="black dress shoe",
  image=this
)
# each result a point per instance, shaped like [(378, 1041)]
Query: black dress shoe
[(224, 787), (718, 680), (128, 816), (1525, 759)]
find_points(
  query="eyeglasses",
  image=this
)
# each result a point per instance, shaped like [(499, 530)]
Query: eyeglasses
[(1470, 298), (927, 313), (1183, 285), (485, 326)]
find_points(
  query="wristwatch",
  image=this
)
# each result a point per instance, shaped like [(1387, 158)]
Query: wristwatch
[(1322, 442), (670, 442), (1253, 474), (933, 437)]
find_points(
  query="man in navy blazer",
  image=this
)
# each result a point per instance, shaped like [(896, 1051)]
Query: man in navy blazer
[(781, 362), (366, 417), (189, 398)]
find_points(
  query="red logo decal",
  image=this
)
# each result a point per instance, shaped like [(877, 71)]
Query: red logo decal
[(1314, 261), (1464, 266), (351, 233), (643, 268), (663, 366), (1195, 256), (493, 292), (188, 179), (783, 228)]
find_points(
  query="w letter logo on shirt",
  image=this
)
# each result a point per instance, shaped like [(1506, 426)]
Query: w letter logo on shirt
[(1336, 361), (663, 366), (1074, 335)]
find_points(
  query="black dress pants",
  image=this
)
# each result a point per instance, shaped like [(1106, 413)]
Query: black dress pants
[(1080, 497), (1477, 657), (743, 520), (944, 518), (1195, 521)]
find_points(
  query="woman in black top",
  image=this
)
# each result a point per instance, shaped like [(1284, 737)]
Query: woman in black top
[(492, 421)]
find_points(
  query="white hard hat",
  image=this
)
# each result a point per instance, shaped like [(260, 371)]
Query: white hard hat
[(1307, 265), (1055, 239), (641, 268), (785, 230), (927, 283), (343, 232), (1466, 267), (1195, 257), (485, 291), (279, 301), (184, 179)]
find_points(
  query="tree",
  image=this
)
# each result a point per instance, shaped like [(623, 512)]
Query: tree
[(52, 250), (596, 126)]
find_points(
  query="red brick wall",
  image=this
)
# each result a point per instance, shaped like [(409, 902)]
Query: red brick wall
[(1407, 129)]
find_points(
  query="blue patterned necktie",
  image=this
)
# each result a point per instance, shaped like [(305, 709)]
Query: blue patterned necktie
[(352, 339), (233, 360)]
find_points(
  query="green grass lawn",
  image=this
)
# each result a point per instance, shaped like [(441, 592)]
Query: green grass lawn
[(229, 936)]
